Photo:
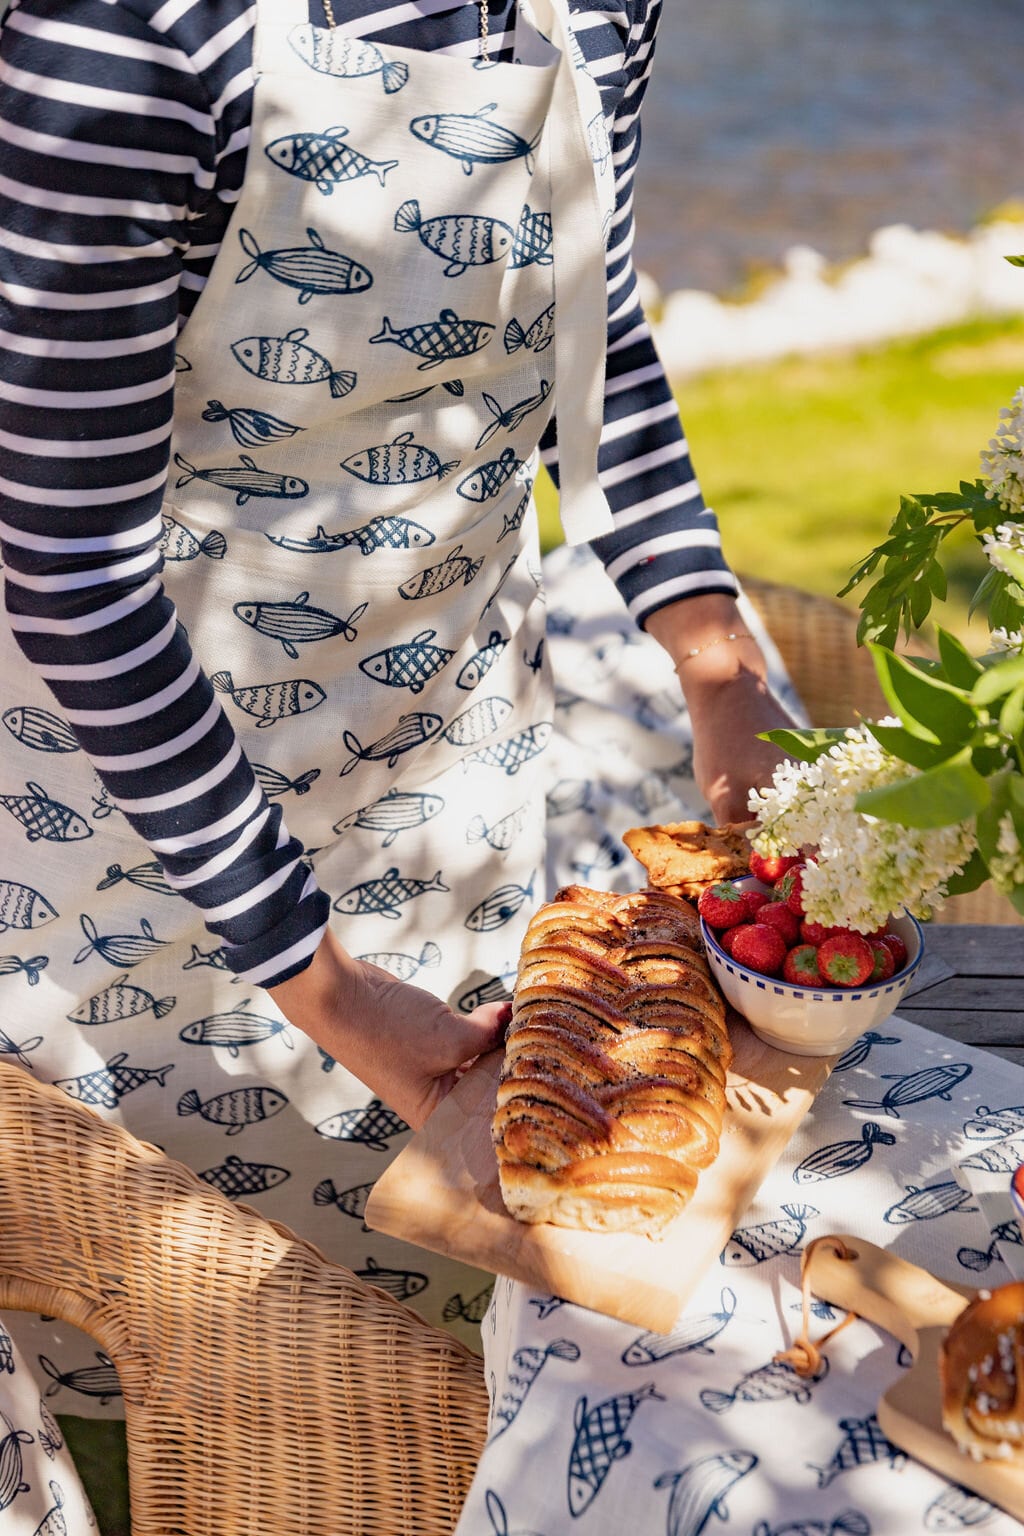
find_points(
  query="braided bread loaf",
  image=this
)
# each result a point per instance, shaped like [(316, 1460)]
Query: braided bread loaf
[(612, 1092), (981, 1372)]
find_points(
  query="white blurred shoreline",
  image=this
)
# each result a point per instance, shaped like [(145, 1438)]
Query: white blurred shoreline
[(909, 282)]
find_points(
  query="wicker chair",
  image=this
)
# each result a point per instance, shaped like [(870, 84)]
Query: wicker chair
[(265, 1389)]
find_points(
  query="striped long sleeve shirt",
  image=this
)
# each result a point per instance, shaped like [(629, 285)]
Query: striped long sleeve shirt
[(124, 129)]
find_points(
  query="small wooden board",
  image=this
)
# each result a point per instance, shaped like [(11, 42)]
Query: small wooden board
[(442, 1193)]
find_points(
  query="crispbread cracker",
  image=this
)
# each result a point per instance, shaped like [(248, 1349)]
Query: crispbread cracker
[(684, 857)]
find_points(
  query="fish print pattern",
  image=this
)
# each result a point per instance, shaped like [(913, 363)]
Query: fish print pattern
[(600, 1441), (372, 1126), (514, 751), (914, 1087), (395, 812), (699, 1490), (497, 990), (998, 1157), (180, 543), (849, 1523), (491, 478), (238, 1179), (536, 337), (462, 240), (298, 622), (863, 1443), (861, 1049), (6, 1351), (455, 567), (957, 1509), (405, 967), (408, 664), (503, 833), (31, 968), (12, 1481), (411, 732), (332, 52), (214, 958), (40, 729), (236, 1108), (351, 1202), (498, 1517), (53, 1522), (251, 428), (399, 1283), (50, 1437), (768, 1239), (473, 672), (509, 418), (982, 1258), (513, 521), (480, 720), (474, 138), (121, 949), (288, 360), (272, 782), (20, 1052), (766, 1384), (400, 462), (928, 1203), (120, 1000), (498, 908), (569, 795), (108, 1085), (231, 1031), (988, 1124), (692, 1334), (45, 818), (242, 483), (527, 1364), (270, 702), (99, 1381), (602, 855), (534, 234), (841, 1157), (312, 269), (325, 159), (380, 532), (546, 1305), (472, 1311), (148, 877), (437, 341)]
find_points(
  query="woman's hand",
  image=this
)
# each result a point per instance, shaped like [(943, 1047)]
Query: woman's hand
[(402, 1042)]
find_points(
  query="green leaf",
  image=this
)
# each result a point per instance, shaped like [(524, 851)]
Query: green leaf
[(936, 578), (984, 592), (998, 680), (1015, 261), (973, 874), (929, 708), (1013, 561), (951, 792), (959, 665), (909, 749), (807, 745), (1011, 716)]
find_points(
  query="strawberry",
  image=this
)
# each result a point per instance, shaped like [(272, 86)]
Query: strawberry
[(789, 888), (846, 960), (777, 915), (756, 900), (727, 937), (759, 948), (885, 961), (899, 949), (817, 933), (801, 966), (770, 868), (723, 905)]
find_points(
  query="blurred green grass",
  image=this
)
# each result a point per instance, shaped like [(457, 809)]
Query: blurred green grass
[(804, 460)]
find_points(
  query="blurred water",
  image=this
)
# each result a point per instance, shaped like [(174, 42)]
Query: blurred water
[(775, 122)]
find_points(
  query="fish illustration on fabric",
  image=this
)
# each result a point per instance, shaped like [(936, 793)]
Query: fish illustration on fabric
[(235, 1109), (499, 908), (461, 239), (380, 532), (409, 663), (351, 1202), (395, 812), (125, 949), (251, 428), (506, 573), (40, 729), (928, 1203), (769, 1383), (181, 363), (599, 141), (768, 1239), (8, 1047), (43, 817), (691, 1335), (546, 1305), (603, 855), (569, 795), (287, 360), (385, 896), (372, 1126), (403, 461), (957, 1509), (50, 1437), (297, 622), (700, 1489), (525, 1367), (100, 1381), (473, 138), (179, 543), (534, 234), (863, 1443), (454, 568), (513, 521), (850, 1523), (536, 661), (238, 1180), (274, 783), (496, 1512), (514, 751), (121, 1000), (399, 1283), (325, 159), (478, 721), (102, 802), (452, 386), (998, 1157), (331, 52), (480, 663), (491, 478), (841, 1157), (512, 416), (270, 702), (148, 877), (53, 1522), (6, 1351), (600, 1441), (312, 269), (405, 967), (437, 341), (982, 1258), (31, 969), (236, 1028), (243, 483), (861, 1049), (536, 337), (108, 1085), (216, 959), (915, 1087), (503, 833), (472, 1311), (988, 1124), (497, 990), (411, 732)]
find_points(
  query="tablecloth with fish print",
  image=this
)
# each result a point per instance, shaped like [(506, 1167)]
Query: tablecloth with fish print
[(600, 1429)]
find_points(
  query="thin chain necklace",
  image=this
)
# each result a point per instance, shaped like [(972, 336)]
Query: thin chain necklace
[(483, 11)]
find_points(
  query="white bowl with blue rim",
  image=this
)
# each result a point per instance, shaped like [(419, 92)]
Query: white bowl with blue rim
[(810, 1021)]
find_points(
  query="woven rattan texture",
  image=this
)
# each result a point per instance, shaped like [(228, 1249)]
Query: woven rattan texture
[(267, 1391)]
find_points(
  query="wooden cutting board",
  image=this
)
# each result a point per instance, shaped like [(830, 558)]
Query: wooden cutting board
[(917, 1308), (441, 1192)]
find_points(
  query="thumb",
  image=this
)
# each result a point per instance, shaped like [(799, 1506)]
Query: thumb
[(489, 1023)]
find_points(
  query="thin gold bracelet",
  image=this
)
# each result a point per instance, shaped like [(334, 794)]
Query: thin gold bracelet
[(697, 650)]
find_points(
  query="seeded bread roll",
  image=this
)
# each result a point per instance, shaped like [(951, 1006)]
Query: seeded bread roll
[(981, 1369), (612, 1092)]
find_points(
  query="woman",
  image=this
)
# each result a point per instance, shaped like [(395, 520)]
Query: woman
[(393, 240)]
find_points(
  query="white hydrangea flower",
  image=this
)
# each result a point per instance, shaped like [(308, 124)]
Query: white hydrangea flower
[(865, 869), (1002, 463), (1008, 536), (1006, 640), (1006, 866)]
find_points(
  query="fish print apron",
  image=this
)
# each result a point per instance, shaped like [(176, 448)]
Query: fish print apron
[(351, 543)]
